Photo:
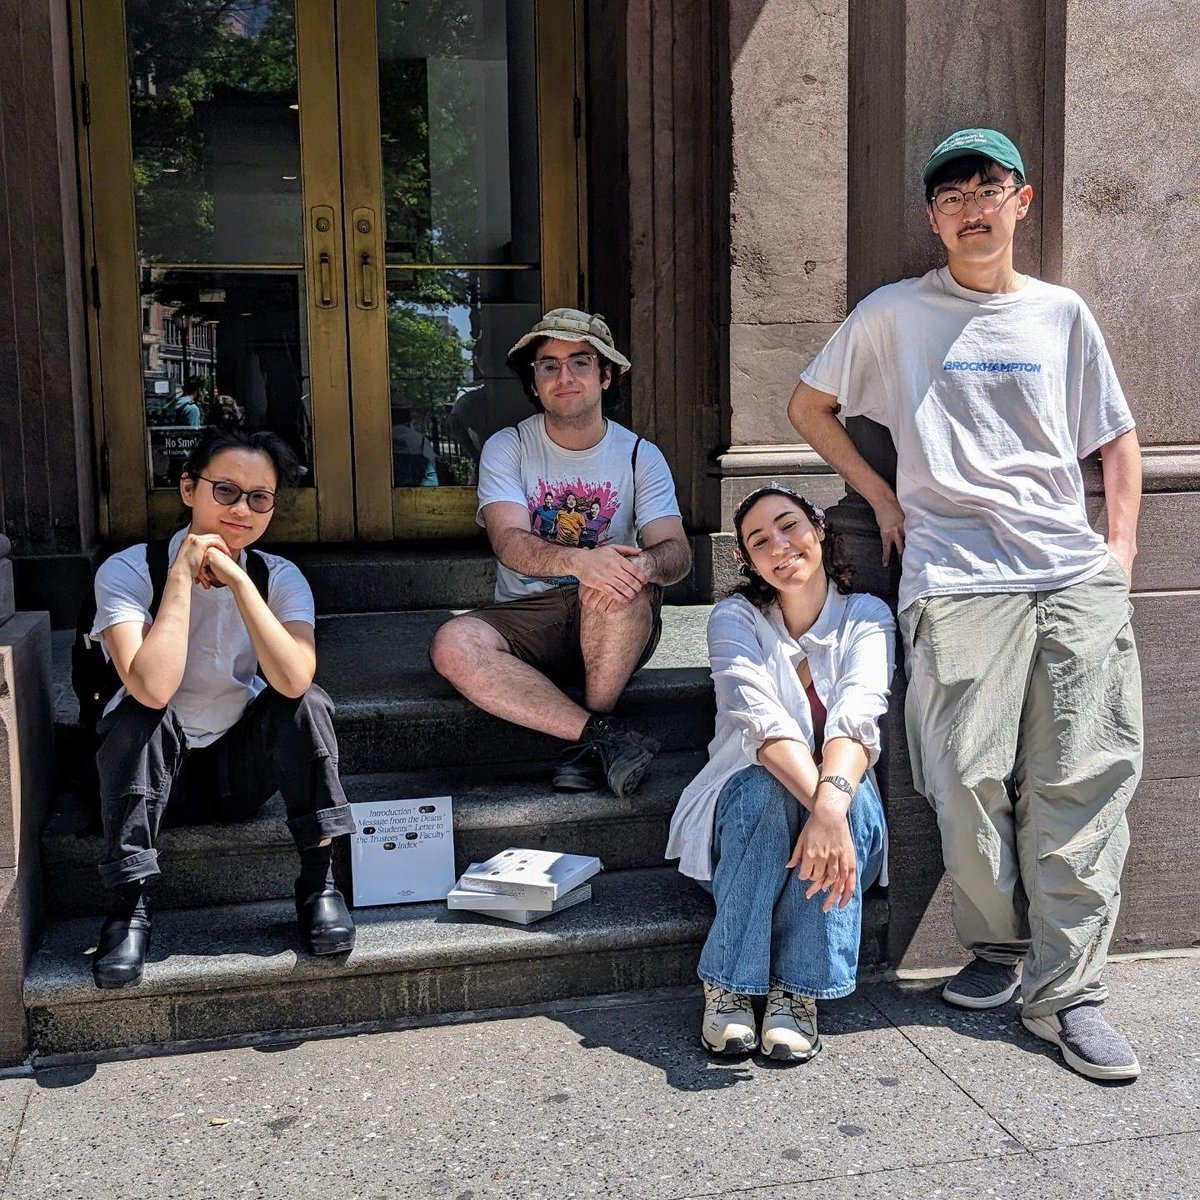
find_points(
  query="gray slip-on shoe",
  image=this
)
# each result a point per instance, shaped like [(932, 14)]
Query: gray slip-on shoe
[(1089, 1044), (982, 984)]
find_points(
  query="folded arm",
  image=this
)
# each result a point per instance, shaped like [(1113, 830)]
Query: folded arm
[(286, 651), (150, 658)]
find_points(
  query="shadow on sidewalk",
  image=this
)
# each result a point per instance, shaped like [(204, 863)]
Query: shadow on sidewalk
[(664, 1033)]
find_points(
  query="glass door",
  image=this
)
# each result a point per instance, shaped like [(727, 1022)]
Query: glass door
[(460, 122), (213, 178), (329, 219)]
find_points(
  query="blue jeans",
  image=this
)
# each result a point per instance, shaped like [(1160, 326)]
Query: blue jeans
[(766, 932)]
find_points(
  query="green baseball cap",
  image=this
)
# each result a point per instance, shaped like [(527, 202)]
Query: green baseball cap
[(987, 142)]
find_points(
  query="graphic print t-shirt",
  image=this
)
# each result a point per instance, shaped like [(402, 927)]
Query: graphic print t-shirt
[(991, 401), (584, 498)]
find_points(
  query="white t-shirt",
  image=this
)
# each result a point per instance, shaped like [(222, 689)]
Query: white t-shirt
[(850, 651), (585, 498), (219, 679), (991, 401)]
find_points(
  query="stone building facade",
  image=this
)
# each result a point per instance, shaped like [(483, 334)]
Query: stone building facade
[(752, 170)]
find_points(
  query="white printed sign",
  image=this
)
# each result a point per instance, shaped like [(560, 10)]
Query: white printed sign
[(402, 851)]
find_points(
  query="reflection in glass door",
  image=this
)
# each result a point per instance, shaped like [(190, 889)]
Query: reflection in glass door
[(329, 228), (200, 164), (452, 141)]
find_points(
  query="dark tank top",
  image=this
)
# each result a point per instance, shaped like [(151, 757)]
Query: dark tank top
[(818, 720)]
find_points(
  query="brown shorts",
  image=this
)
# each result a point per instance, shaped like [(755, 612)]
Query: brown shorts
[(543, 630)]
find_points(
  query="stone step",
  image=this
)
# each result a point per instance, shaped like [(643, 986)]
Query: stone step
[(366, 578), (494, 808), (235, 971), (388, 578), (395, 711)]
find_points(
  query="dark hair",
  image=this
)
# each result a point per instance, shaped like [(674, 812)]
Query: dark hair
[(753, 586), (215, 441), (522, 364), (961, 170), (194, 383)]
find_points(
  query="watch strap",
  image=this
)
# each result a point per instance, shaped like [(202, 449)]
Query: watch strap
[(838, 781)]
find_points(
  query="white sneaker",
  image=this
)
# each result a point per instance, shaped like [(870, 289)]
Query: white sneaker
[(728, 1022), (789, 1029)]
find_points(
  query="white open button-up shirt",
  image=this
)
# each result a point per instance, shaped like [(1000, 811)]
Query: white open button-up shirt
[(851, 654)]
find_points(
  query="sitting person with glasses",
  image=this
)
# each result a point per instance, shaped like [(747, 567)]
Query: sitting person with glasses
[(217, 708), (1023, 708), (570, 610), (784, 825)]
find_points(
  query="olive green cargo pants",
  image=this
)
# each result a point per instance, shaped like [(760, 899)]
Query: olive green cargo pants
[(1024, 716)]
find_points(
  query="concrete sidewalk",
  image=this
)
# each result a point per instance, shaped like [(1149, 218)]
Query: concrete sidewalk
[(613, 1098)]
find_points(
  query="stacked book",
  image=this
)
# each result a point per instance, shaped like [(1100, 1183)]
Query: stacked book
[(525, 885)]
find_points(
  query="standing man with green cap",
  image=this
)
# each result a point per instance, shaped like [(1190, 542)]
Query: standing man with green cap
[(570, 610), (1024, 695)]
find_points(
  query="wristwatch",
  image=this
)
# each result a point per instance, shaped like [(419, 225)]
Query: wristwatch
[(838, 781)]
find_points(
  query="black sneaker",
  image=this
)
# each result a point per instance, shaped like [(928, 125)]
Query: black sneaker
[(579, 769), (623, 753)]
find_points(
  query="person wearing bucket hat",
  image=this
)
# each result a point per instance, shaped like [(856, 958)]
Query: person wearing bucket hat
[(1023, 707), (568, 325), (583, 519)]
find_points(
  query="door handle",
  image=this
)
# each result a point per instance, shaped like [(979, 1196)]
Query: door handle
[(326, 280), (323, 235), (364, 230), (367, 294)]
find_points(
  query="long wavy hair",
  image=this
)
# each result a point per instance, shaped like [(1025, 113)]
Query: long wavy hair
[(752, 585)]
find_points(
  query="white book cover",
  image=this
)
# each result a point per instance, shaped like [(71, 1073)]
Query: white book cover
[(402, 851), (470, 902), (534, 878)]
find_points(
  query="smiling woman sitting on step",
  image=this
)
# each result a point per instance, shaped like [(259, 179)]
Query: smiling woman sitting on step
[(784, 825)]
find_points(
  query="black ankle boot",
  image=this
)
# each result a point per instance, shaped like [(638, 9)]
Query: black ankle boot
[(124, 939), (325, 923)]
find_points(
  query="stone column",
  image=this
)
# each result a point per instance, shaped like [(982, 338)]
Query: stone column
[(45, 420), (787, 239), (916, 75), (26, 756), (1124, 118)]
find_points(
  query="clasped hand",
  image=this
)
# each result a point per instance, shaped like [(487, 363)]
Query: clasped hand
[(824, 854), (209, 560), (610, 576)]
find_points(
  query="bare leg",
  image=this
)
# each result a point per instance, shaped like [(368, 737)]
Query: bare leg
[(476, 659), (611, 644)]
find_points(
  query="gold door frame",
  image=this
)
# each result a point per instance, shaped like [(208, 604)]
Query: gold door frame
[(344, 263), (385, 511), (129, 509)]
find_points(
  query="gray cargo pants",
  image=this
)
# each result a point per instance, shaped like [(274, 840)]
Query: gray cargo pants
[(1024, 716)]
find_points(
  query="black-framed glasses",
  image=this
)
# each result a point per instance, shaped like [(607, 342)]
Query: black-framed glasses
[(988, 198), (258, 500), (578, 364)]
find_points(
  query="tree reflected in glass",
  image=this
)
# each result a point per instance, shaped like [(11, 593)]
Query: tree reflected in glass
[(215, 131)]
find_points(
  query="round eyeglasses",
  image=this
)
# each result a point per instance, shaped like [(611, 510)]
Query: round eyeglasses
[(258, 500), (988, 198), (578, 364)]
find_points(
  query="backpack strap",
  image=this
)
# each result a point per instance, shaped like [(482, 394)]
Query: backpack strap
[(156, 561), (633, 468), (259, 572)]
